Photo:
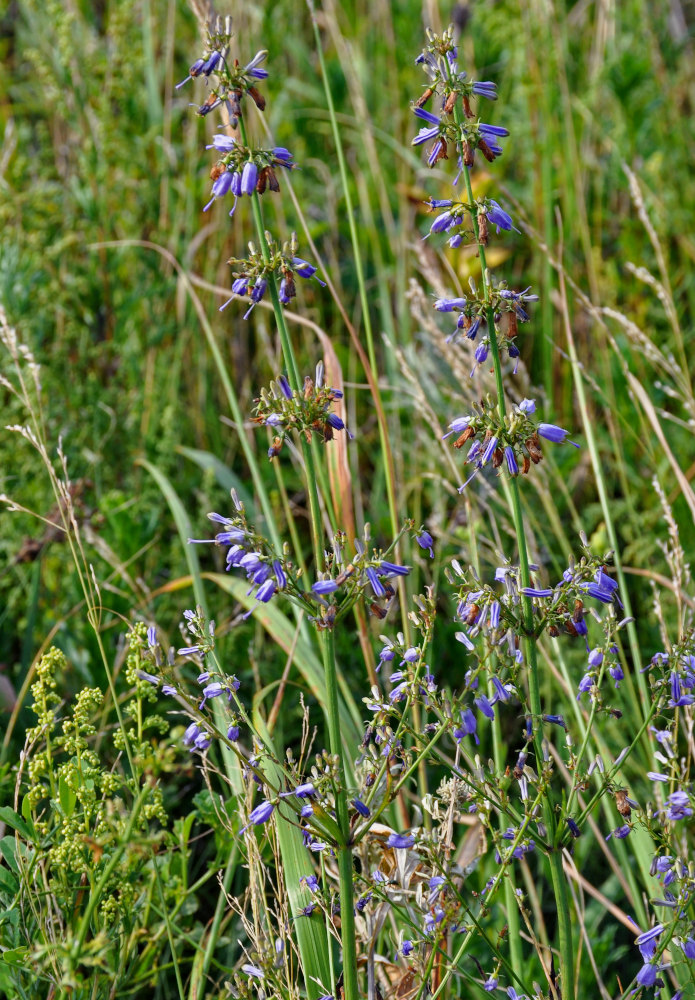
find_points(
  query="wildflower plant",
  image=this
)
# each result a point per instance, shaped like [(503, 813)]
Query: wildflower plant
[(402, 844)]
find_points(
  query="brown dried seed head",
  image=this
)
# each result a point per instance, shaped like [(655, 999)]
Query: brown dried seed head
[(258, 98), (486, 151), (466, 436), (483, 233), (621, 802), (273, 182)]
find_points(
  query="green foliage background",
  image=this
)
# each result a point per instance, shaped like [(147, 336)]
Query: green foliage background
[(103, 175)]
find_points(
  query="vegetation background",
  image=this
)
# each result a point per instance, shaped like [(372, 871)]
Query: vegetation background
[(107, 264)]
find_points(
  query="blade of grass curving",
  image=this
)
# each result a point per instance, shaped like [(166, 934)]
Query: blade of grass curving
[(227, 479), (311, 937)]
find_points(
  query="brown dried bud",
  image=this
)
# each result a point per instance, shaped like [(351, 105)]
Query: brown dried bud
[(553, 631), (467, 107), (273, 182), (442, 152), (622, 805), (483, 234), (526, 466), (535, 451), (472, 614), (450, 102), (275, 450), (467, 154), (217, 170), (422, 101), (570, 629), (512, 325), (235, 103), (486, 151), (308, 380), (262, 180), (258, 98), (345, 575), (466, 436), (497, 457), (378, 612), (578, 613), (290, 289)]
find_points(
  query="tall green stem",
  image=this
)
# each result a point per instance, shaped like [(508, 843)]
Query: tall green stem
[(292, 369), (347, 903), (530, 652), (344, 848)]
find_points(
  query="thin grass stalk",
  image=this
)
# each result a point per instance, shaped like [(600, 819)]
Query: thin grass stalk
[(599, 476), (390, 478)]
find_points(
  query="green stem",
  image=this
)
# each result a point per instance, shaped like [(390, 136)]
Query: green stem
[(292, 369), (510, 903), (530, 652), (344, 849)]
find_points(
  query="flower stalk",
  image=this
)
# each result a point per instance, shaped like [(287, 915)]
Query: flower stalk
[(529, 642)]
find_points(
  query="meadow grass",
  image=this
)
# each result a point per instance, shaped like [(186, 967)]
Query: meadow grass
[(124, 872)]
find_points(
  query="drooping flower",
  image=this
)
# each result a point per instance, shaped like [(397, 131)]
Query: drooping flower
[(261, 814), (468, 727), (425, 541), (400, 841), (249, 177), (499, 218)]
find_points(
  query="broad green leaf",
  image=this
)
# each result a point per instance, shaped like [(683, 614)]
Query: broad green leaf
[(67, 796), (223, 474), (311, 935), (8, 883), (13, 819)]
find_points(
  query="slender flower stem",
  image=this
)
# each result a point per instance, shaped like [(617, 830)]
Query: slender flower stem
[(530, 652), (292, 369), (347, 902)]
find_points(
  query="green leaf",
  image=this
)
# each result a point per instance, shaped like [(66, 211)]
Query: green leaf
[(67, 796), (13, 819), (311, 935), (8, 849), (8, 883), (223, 474)]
